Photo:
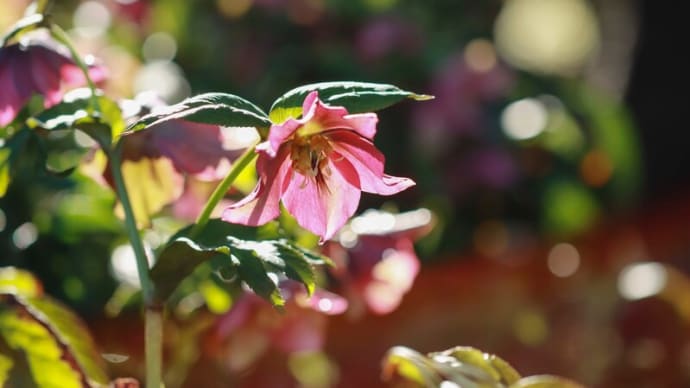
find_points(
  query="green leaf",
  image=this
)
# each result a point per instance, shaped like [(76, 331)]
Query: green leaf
[(56, 345), (211, 108), (258, 256), (253, 273), (75, 112), (177, 260), (297, 266), (9, 152), (356, 97)]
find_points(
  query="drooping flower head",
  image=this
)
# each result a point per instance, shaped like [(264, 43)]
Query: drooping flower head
[(317, 165), (36, 68)]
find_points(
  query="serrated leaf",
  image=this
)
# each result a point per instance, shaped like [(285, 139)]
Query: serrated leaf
[(177, 260), (211, 108), (253, 273), (297, 267), (58, 348), (356, 97), (250, 253)]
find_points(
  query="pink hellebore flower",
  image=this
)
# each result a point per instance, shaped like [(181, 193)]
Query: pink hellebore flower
[(318, 166), (376, 263), (36, 68)]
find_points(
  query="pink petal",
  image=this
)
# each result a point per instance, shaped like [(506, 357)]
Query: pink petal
[(337, 117), (278, 134), (262, 204), (46, 76), (323, 207), (368, 162), (9, 100)]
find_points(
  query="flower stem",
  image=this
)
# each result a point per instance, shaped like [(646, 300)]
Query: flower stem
[(154, 314), (61, 36), (222, 188)]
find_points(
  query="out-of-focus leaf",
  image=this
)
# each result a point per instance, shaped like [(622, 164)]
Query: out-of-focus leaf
[(411, 365), (151, 184), (545, 381), (356, 97), (499, 370), (4, 170), (75, 112), (18, 282), (22, 26), (256, 256), (9, 152), (58, 349), (211, 108), (461, 366)]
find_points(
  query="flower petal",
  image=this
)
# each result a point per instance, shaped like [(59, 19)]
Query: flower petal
[(323, 207), (336, 117), (9, 100), (368, 162), (262, 204)]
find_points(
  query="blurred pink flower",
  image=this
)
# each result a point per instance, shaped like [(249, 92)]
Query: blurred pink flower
[(36, 68), (387, 35), (318, 166), (253, 326), (375, 259), (460, 107)]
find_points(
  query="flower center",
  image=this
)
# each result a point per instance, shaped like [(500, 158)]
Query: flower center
[(309, 155)]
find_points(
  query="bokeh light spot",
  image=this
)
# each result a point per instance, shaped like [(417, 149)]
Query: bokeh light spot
[(524, 119), (563, 260), (530, 328), (642, 280), (233, 9), (159, 46), (91, 19), (596, 168), (480, 55), (547, 36), (25, 235)]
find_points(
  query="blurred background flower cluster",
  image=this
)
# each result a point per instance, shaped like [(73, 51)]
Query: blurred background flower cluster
[(550, 162)]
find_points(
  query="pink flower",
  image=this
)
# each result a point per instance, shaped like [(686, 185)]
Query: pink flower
[(36, 68), (376, 263), (253, 327), (318, 166)]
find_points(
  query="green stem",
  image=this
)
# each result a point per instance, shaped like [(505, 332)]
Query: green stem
[(131, 226), (154, 314), (154, 347), (61, 36), (220, 191)]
